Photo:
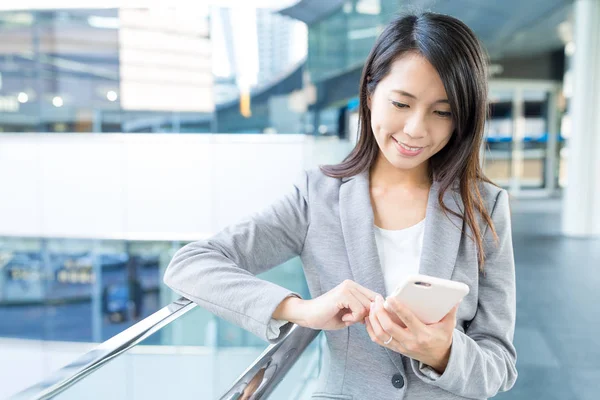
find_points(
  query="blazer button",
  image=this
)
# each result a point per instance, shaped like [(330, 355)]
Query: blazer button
[(398, 381)]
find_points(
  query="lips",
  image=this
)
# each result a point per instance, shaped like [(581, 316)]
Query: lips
[(407, 151), (407, 147)]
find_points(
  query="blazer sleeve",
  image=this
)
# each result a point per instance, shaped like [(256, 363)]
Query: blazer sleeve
[(219, 273), (483, 359)]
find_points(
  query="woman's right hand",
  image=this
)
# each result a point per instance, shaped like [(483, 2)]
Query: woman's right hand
[(342, 306)]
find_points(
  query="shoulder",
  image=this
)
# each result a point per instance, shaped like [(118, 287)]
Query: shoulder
[(493, 197), (496, 201), (490, 195), (490, 192), (313, 184), (315, 178)]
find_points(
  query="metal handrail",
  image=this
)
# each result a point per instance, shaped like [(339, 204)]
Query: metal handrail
[(67, 376), (257, 382), (263, 376), (313, 368)]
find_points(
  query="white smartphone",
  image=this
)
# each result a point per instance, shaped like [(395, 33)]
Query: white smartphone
[(428, 297)]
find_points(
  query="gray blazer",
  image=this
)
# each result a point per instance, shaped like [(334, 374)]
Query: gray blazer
[(328, 222)]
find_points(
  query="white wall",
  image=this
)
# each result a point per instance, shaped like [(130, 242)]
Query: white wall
[(162, 187)]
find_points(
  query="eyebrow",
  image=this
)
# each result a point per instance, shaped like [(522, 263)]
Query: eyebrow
[(412, 96)]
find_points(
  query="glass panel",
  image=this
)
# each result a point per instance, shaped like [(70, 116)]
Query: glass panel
[(70, 297), (164, 372), (105, 70), (57, 66), (535, 141), (131, 279), (328, 46), (78, 290), (519, 165), (22, 288), (75, 290), (344, 39), (498, 142)]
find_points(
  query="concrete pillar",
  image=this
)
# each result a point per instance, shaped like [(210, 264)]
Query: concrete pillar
[(581, 208)]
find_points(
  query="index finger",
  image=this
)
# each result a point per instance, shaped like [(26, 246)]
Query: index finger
[(367, 292), (411, 321)]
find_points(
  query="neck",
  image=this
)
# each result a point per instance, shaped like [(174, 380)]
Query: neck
[(385, 174)]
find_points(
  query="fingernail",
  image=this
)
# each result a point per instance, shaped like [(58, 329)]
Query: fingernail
[(385, 304), (372, 306)]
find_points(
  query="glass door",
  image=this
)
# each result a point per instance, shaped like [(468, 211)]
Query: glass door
[(521, 146)]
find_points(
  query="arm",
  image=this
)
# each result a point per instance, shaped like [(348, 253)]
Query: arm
[(482, 360), (219, 273)]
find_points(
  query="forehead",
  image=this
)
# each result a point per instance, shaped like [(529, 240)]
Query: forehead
[(413, 73)]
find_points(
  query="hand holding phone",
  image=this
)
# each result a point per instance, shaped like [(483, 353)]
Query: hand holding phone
[(428, 297)]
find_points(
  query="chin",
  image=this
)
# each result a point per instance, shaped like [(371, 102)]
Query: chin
[(404, 163)]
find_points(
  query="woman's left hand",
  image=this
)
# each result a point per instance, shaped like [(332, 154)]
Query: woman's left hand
[(429, 344)]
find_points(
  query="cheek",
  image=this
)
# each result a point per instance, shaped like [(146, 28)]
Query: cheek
[(443, 136), (446, 139), (385, 123)]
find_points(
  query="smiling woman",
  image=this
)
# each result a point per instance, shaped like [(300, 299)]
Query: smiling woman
[(423, 103), (410, 198)]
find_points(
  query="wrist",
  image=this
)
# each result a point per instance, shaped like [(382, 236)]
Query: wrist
[(440, 364), (291, 309)]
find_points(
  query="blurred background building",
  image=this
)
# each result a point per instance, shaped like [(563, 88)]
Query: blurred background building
[(128, 131)]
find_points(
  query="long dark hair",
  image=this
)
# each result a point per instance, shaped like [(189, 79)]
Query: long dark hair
[(460, 60)]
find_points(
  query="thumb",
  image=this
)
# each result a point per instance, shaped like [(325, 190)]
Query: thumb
[(451, 316), (348, 317)]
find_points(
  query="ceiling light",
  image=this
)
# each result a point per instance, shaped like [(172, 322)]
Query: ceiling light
[(57, 101), (111, 95), (22, 97)]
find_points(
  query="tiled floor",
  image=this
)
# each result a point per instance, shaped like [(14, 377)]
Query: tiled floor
[(558, 307)]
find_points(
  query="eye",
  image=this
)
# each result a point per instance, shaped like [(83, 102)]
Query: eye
[(399, 105), (444, 114)]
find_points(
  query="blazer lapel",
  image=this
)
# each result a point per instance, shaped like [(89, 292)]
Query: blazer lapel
[(356, 214), (442, 234)]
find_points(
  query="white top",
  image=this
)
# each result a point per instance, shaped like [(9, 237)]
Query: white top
[(400, 256), (399, 253)]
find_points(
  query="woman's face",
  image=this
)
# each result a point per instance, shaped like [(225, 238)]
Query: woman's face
[(410, 114)]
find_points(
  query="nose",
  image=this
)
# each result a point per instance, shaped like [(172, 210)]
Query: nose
[(415, 126)]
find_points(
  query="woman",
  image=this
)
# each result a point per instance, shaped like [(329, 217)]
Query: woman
[(411, 197)]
